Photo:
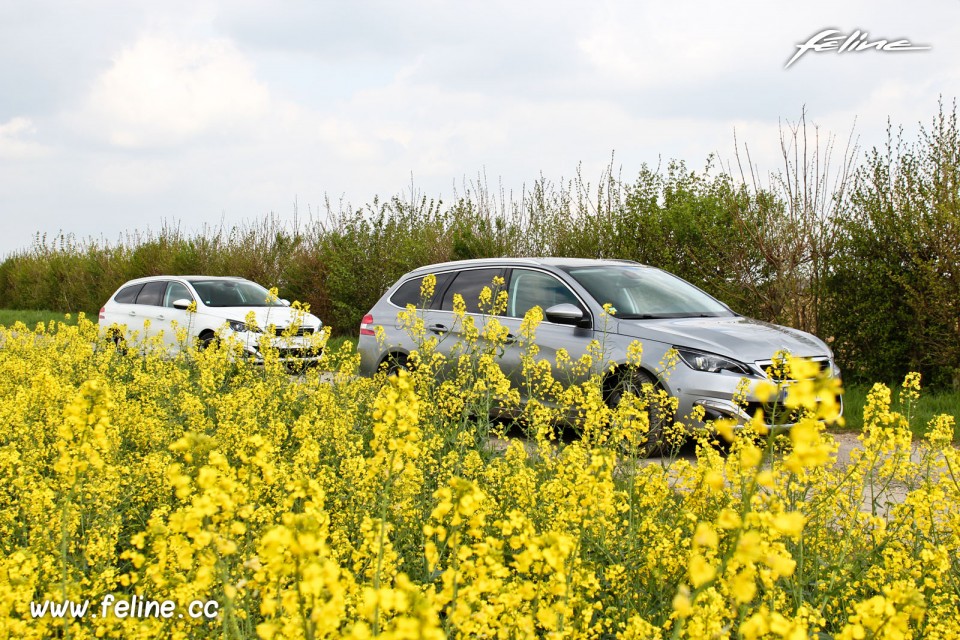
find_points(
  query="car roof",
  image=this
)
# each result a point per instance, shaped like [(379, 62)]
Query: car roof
[(519, 262), (187, 278), (196, 278)]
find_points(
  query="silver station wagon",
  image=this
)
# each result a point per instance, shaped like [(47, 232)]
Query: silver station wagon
[(717, 347)]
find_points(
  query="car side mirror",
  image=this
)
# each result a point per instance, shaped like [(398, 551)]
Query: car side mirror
[(182, 304), (565, 313), (284, 302)]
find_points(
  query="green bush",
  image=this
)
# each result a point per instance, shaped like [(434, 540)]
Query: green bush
[(895, 282)]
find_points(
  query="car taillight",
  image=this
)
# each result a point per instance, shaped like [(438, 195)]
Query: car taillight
[(103, 311), (366, 326)]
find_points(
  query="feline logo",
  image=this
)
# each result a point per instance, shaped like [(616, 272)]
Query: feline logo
[(835, 40)]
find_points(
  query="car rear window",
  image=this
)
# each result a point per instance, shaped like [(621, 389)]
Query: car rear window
[(152, 293), (128, 295), (409, 292), (469, 284)]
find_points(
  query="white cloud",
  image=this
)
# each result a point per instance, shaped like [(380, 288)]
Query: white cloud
[(644, 45), (15, 127), (132, 177), (15, 142), (162, 91)]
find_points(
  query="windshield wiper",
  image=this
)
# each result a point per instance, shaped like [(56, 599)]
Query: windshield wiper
[(664, 316), (640, 316)]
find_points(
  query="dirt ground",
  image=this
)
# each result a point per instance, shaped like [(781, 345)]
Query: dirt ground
[(848, 441)]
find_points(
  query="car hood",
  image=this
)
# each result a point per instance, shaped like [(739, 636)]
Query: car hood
[(281, 317), (743, 339)]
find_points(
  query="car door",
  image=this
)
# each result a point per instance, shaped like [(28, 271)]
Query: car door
[(528, 288), (120, 310), (398, 339), (444, 323), (175, 319), (148, 307)]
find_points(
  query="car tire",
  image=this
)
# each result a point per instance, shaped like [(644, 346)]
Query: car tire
[(633, 381), (207, 339), (394, 362), (119, 342)]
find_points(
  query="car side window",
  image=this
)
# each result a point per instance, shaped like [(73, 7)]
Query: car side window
[(128, 295), (530, 289), (176, 291), (409, 292), (152, 293), (469, 284)]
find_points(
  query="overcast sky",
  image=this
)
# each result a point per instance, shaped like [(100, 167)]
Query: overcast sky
[(118, 115)]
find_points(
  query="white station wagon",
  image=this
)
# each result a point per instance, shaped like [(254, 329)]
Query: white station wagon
[(222, 305)]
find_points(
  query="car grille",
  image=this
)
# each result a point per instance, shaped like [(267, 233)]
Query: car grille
[(822, 362), (302, 331), (299, 353), (777, 413)]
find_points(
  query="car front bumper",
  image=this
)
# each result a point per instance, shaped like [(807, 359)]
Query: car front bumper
[(716, 396)]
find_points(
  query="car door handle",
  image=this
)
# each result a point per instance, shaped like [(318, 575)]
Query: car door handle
[(133, 313), (160, 317), (438, 329)]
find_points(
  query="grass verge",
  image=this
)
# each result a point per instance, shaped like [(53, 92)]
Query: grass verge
[(930, 404), (30, 317)]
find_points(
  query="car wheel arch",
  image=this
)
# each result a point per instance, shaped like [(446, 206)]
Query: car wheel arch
[(206, 338), (615, 377), (394, 360), (626, 375)]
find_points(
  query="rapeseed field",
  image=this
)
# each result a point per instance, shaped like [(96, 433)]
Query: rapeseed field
[(200, 495)]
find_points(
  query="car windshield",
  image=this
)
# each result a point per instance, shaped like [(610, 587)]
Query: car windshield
[(638, 292), (234, 293)]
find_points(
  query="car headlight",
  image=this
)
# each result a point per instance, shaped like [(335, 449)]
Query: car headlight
[(242, 327), (711, 362), (834, 368)]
